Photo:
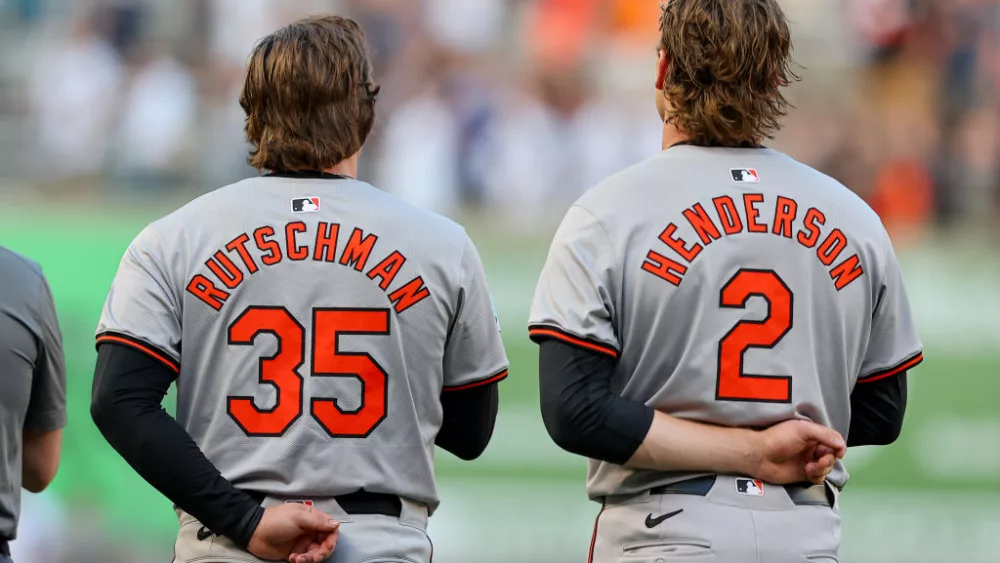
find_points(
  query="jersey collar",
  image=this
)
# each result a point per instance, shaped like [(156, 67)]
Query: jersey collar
[(690, 143), (307, 174)]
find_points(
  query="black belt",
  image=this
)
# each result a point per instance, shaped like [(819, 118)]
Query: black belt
[(801, 495), (361, 502), (4, 548)]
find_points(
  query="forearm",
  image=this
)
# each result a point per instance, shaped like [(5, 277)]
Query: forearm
[(469, 418), (128, 388), (877, 410), (674, 444), (39, 458), (584, 417)]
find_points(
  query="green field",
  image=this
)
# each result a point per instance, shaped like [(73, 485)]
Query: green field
[(933, 496)]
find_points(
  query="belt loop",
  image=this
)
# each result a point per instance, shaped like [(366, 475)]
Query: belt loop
[(413, 514)]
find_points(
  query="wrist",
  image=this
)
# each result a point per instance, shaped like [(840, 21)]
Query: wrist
[(749, 457), (247, 526)]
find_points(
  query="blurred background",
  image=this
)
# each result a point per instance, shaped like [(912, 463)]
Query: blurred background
[(500, 113)]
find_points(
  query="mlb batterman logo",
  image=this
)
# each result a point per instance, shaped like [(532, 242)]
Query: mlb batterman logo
[(745, 175), (752, 487), (305, 205)]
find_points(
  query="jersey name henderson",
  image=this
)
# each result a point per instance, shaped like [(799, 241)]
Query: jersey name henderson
[(671, 259)]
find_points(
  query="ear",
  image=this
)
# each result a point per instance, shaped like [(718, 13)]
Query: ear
[(661, 69)]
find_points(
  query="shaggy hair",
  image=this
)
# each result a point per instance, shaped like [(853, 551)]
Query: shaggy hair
[(309, 95), (728, 62)]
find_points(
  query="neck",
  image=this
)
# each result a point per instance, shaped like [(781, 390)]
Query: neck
[(348, 167), (672, 135)]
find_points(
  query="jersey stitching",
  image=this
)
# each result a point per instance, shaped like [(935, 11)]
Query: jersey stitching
[(461, 291), (491, 379), (909, 363), (604, 229), (162, 278), (144, 347), (570, 338), (619, 261)]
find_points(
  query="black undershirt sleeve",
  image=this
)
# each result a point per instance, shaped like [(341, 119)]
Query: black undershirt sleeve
[(581, 412), (469, 418), (129, 387), (877, 410)]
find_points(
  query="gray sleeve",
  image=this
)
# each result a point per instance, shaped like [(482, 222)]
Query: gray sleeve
[(47, 405), (142, 309), (474, 354), (574, 301), (893, 346)]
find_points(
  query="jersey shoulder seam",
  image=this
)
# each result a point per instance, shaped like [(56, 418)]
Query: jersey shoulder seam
[(607, 235)]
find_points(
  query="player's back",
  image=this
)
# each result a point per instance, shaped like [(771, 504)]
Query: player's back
[(741, 289), (317, 322)]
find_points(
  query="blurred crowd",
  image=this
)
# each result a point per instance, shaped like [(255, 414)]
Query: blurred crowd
[(513, 106)]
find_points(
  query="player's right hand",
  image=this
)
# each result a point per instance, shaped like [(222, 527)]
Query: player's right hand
[(295, 533), (796, 451)]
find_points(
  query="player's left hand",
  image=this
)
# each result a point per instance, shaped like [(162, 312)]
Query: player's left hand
[(295, 533), (314, 548), (797, 450), (823, 461)]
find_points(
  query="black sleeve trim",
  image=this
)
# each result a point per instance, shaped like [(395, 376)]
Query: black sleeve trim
[(542, 332), (903, 366), (495, 378), (154, 352)]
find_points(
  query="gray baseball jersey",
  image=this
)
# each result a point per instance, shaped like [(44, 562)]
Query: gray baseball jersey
[(313, 324), (32, 373), (734, 286)]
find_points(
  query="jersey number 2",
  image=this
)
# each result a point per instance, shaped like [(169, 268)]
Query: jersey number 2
[(733, 384), (282, 370)]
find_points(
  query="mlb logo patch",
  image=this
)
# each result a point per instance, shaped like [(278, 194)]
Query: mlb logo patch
[(751, 487), (745, 175), (305, 502), (305, 205)]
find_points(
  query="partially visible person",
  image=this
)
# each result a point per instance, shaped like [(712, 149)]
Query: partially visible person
[(32, 388)]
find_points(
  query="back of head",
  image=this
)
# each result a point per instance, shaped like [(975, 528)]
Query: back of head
[(728, 61), (309, 95)]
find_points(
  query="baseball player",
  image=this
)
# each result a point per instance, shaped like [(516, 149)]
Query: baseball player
[(701, 312), (324, 335)]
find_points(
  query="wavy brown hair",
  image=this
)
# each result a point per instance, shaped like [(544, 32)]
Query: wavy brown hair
[(728, 63), (309, 95)]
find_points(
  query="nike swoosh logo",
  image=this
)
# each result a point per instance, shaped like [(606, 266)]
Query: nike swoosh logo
[(204, 533), (654, 522)]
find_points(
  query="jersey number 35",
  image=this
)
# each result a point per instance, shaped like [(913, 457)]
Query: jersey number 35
[(282, 370)]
